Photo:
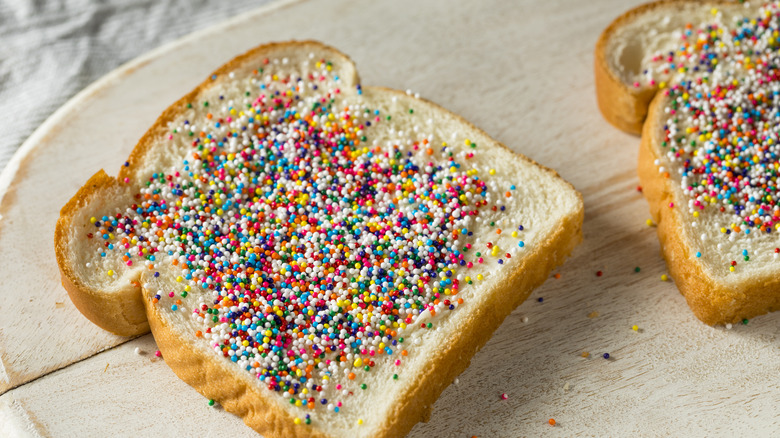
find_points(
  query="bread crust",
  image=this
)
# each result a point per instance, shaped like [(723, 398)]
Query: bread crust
[(711, 302)]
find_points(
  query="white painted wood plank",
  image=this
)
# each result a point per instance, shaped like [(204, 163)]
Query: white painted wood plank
[(522, 71)]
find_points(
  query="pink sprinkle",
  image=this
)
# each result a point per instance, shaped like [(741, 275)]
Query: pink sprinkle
[(636, 84), (157, 353), (671, 205), (504, 396)]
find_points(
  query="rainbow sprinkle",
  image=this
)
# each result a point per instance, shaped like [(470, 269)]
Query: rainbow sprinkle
[(317, 246)]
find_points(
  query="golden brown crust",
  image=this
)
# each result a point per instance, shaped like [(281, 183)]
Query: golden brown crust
[(711, 302), (121, 313)]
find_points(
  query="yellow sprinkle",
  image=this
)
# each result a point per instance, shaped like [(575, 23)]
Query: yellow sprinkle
[(360, 421), (585, 354), (297, 420), (492, 171), (110, 272), (480, 277), (179, 278), (635, 328), (649, 222), (467, 142), (731, 268), (664, 277), (358, 362), (92, 220)]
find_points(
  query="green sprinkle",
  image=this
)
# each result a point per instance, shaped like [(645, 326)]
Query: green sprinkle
[(636, 269), (745, 321), (395, 376), (184, 294), (189, 105), (411, 111), (211, 402), (205, 104), (363, 386)]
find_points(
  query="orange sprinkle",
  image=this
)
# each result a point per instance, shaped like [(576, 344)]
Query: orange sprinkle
[(551, 421), (351, 376), (198, 333)]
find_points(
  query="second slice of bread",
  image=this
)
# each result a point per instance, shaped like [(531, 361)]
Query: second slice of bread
[(725, 274)]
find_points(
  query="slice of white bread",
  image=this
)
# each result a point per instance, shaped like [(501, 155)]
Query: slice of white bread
[(723, 261), (519, 228)]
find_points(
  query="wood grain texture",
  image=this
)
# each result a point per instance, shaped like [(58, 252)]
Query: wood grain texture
[(522, 71)]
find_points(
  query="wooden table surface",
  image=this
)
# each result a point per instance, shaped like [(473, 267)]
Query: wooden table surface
[(522, 71)]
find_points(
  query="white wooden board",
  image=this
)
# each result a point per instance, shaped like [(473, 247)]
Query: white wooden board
[(522, 71)]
